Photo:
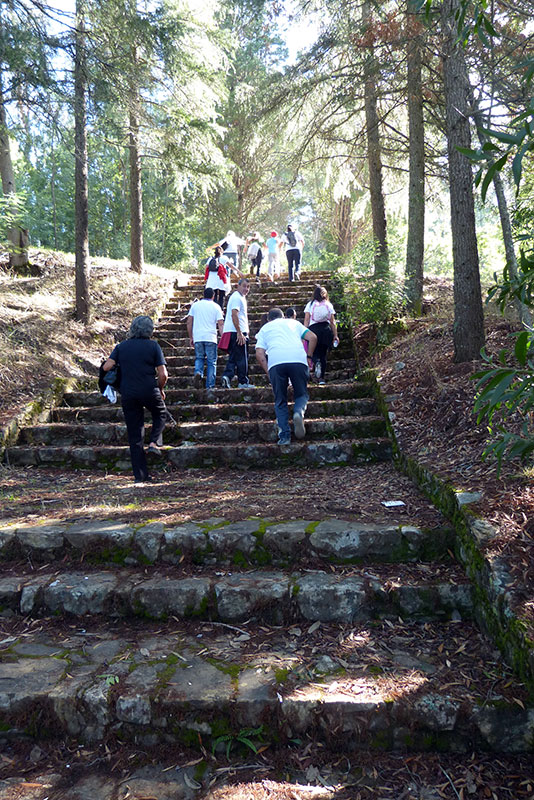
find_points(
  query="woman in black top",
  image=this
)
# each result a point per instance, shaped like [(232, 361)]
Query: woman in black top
[(143, 376)]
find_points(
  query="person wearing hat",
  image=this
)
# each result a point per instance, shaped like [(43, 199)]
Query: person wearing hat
[(273, 262)]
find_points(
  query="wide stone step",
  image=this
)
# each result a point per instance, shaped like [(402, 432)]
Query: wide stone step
[(219, 411), (245, 542), (262, 456), (67, 434), (349, 596), (205, 685), (335, 368), (329, 391)]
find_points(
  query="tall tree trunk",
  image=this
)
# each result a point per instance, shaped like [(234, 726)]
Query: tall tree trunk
[(523, 312), (343, 221), (82, 312), (53, 190), (416, 190), (374, 159), (137, 257), (468, 331), (17, 236)]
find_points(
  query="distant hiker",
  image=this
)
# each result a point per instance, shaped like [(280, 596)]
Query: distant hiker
[(204, 320), (216, 276), (273, 259), (319, 316), (255, 253), (143, 377), (294, 243), (236, 323), (280, 353), (230, 245)]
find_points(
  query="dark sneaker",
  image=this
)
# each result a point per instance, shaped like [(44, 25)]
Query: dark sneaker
[(154, 449), (298, 424), (283, 441), (197, 380), (225, 382)]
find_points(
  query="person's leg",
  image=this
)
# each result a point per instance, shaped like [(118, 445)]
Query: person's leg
[(211, 358), (218, 297), (229, 370), (299, 374), (200, 353), (134, 416), (289, 256), (241, 362), (156, 406), (278, 378), (296, 261)]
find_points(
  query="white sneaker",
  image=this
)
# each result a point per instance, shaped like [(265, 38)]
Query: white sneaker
[(317, 370), (298, 424)]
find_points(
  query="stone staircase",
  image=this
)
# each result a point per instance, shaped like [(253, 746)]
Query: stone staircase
[(234, 427), (339, 633)]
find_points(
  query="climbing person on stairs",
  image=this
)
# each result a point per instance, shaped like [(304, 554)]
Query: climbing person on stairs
[(294, 244), (204, 320), (236, 323), (280, 353), (320, 317), (143, 378)]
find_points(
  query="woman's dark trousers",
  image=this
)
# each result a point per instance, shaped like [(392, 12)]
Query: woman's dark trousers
[(134, 416), (325, 337)]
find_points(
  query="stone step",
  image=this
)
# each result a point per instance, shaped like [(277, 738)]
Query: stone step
[(245, 542), (184, 355), (329, 391), (350, 595), (315, 453), (421, 687), (66, 434), (219, 411)]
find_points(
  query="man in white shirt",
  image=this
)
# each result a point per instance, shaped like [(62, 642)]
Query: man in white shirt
[(280, 352), (294, 243), (236, 324), (204, 320)]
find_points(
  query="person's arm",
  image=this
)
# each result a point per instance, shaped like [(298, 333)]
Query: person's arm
[(306, 319), (162, 378), (261, 358), (190, 329), (107, 365), (220, 325), (311, 338), (333, 325), (235, 319)]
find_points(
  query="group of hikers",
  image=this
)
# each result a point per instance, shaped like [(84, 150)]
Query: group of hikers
[(255, 249), (287, 350)]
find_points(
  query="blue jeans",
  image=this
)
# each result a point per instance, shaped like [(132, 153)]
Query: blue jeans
[(207, 351), (280, 375), (237, 359)]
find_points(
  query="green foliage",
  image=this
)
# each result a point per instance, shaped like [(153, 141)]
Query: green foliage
[(520, 287), (503, 391), (244, 737)]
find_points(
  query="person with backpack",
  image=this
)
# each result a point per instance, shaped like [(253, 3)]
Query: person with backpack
[(294, 243), (319, 317), (217, 274), (255, 253)]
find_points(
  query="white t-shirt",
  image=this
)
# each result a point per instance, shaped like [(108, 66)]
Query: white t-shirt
[(206, 314), (236, 300), (233, 243), (319, 311), (282, 340), (300, 241)]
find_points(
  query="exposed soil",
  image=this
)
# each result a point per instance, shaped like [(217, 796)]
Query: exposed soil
[(432, 400)]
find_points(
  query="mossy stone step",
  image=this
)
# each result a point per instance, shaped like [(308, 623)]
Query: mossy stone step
[(247, 542), (373, 692), (315, 453), (220, 411)]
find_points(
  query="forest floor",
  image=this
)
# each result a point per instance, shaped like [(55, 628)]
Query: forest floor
[(431, 398)]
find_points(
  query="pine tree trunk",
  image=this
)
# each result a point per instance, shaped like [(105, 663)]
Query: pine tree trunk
[(374, 160), (468, 331), (343, 222), (17, 236), (416, 188), (82, 311), (137, 257)]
